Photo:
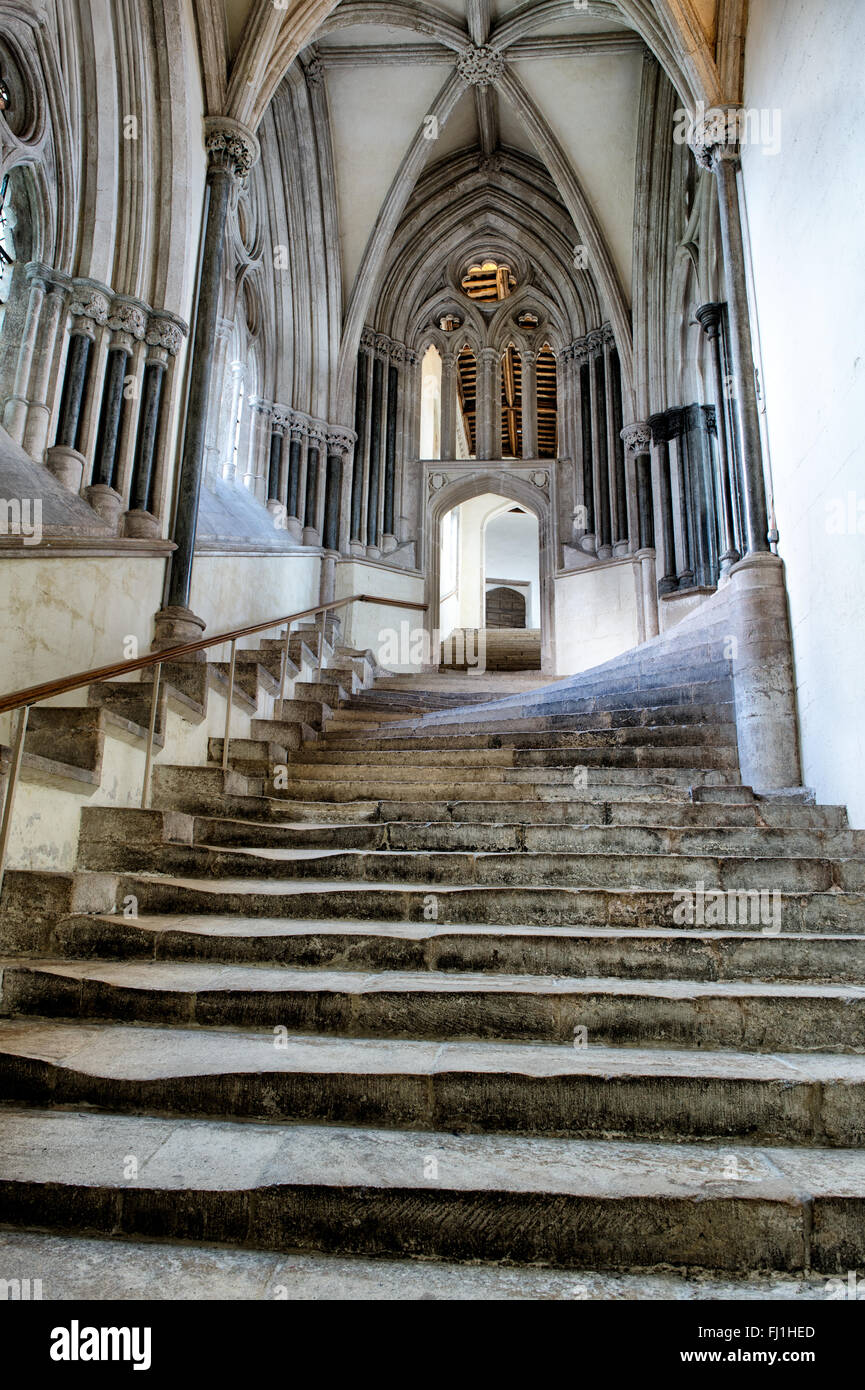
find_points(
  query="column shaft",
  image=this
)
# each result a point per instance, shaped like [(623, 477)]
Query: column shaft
[(219, 182)]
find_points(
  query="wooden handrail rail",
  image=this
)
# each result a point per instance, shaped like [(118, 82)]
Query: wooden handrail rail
[(20, 698)]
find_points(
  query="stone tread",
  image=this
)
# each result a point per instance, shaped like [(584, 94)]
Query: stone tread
[(198, 978), (87, 1150)]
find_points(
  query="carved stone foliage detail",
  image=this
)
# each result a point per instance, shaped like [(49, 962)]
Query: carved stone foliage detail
[(638, 439), (480, 66)]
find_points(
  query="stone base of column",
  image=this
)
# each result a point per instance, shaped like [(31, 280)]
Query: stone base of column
[(373, 552), (106, 502), (388, 543), (605, 552), (764, 685), (67, 465), (403, 529), (621, 548), (36, 431), (588, 542), (357, 549), (140, 524), (310, 536), (174, 627), (668, 585), (649, 592), (277, 511), (294, 528)]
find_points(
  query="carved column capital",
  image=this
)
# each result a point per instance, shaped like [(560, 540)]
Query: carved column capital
[(595, 342), (89, 300), (638, 438), (709, 318), (714, 136), (165, 330), (340, 441), (129, 317), (230, 146)]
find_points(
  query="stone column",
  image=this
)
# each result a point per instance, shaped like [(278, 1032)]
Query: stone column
[(358, 467), (141, 520), (637, 439), (487, 403), (709, 316), (408, 519), (15, 412), (373, 549), (601, 444), (449, 407), (311, 533), (617, 454), (127, 323), (231, 152), (88, 308), (716, 147), (339, 443), (588, 540), (529, 400), (388, 539), (276, 483), (293, 504), (659, 426), (39, 411)]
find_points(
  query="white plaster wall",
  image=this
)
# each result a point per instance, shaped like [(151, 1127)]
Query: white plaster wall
[(231, 591), (377, 626), (596, 615), (804, 208), (64, 614)]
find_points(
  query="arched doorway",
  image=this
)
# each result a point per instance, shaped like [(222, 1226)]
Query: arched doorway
[(445, 563)]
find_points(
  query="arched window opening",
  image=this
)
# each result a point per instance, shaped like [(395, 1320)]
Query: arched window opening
[(467, 397), (8, 222), (547, 397), (488, 282), (512, 404), (431, 404)]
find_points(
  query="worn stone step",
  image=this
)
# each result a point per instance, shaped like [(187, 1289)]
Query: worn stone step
[(567, 1202), (457, 1086), (324, 692), (751, 1016), (479, 837), (543, 906), (769, 874), (662, 953)]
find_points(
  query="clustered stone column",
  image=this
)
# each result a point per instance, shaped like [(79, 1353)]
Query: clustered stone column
[(716, 148), (687, 496), (711, 317), (84, 360), (163, 339), (591, 424), (231, 152), (383, 420), (637, 440)]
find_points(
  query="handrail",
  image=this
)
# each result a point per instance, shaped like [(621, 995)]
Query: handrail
[(23, 699), (32, 696)]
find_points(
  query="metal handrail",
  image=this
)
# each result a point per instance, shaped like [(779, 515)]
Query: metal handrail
[(23, 699)]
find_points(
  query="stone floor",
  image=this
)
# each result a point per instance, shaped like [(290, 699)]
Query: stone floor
[(82, 1268)]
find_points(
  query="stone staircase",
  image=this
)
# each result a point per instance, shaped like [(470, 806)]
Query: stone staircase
[(495, 969), (493, 649)]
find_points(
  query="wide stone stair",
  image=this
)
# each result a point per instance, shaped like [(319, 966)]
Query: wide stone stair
[(495, 968)]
